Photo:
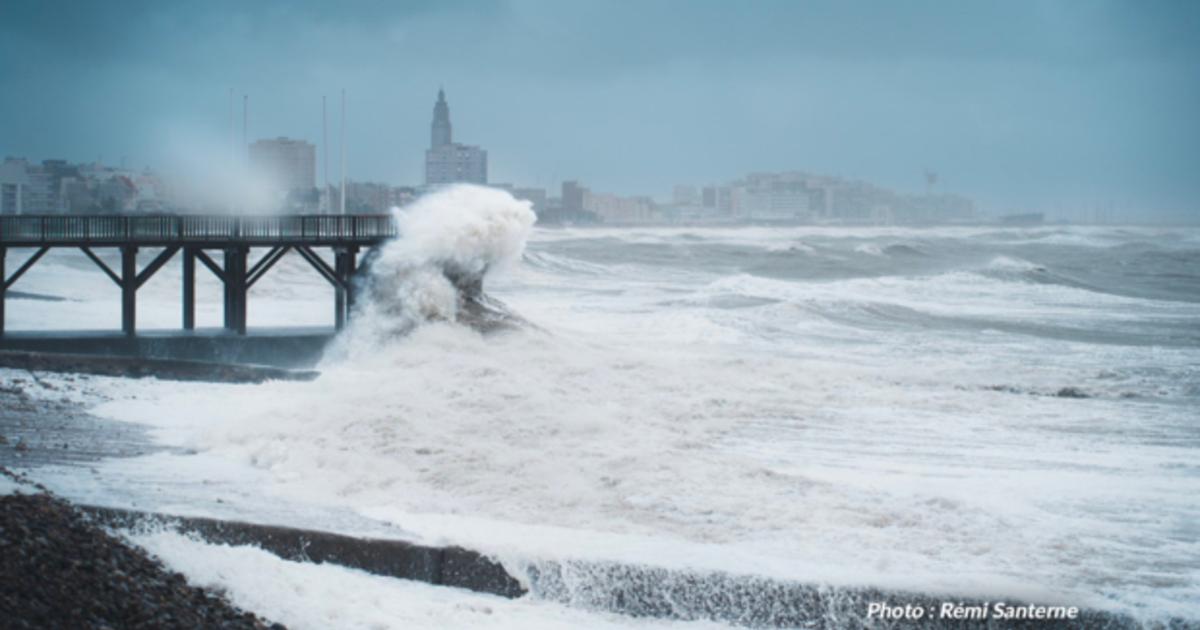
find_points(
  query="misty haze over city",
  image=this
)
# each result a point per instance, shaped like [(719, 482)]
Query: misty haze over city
[(1077, 110)]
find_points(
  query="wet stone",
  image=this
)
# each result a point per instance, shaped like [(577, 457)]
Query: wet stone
[(60, 570)]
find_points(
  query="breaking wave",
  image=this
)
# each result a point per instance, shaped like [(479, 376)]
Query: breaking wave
[(434, 272), (961, 412)]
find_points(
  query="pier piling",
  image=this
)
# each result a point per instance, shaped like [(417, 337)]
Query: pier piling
[(189, 289)]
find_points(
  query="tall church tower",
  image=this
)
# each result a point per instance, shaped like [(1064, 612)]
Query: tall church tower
[(447, 162), (440, 135)]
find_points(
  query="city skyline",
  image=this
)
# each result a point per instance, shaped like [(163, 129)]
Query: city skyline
[(1060, 106)]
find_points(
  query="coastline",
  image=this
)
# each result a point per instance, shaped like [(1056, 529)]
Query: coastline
[(59, 432), (60, 569)]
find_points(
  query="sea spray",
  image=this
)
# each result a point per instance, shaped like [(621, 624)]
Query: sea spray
[(448, 241), (844, 419)]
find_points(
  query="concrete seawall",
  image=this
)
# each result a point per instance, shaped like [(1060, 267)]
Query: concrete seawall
[(634, 590), (283, 347), (166, 369), (446, 566)]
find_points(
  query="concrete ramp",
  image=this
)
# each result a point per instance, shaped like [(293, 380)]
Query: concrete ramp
[(634, 590), (446, 566)]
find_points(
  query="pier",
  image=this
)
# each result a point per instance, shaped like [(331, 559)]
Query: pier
[(223, 245)]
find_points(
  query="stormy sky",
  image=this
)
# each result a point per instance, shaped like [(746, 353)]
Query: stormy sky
[(1023, 105)]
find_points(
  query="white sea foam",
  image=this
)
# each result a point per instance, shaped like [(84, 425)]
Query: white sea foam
[(465, 230), (303, 595), (1006, 263), (870, 249), (742, 452), (8, 486), (863, 430)]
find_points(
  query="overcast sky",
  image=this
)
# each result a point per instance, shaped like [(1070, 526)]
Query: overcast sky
[(1021, 105)]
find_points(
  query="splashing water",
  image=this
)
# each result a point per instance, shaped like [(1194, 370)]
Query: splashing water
[(450, 239), (767, 403)]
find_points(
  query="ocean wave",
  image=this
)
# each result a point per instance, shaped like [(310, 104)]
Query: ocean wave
[(452, 238), (563, 264), (902, 250), (739, 452), (822, 414), (1006, 263), (870, 249), (1032, 304)]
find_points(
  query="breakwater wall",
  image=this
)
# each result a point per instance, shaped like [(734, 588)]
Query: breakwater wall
[(634, 590), (286, 347), (134, 367)]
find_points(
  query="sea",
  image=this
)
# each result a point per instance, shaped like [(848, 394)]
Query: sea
[(981, 412)]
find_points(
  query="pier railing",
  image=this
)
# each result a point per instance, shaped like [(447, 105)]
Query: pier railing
[(30, 230)]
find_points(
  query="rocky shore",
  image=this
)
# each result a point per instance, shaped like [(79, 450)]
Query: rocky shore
[(60, 570)]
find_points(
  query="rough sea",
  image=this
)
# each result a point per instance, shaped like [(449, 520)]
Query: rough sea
[(992, 412)]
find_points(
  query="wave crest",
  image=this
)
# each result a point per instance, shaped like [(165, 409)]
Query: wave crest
[(448, 241)]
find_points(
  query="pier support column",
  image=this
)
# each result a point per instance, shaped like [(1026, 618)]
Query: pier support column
[(343, 268), (3, 287), (235, 289), (189, 289), (351, 268), (129, 284), (228, 308), (339, 296)]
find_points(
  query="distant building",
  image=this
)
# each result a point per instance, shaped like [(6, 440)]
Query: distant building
[(535, 196), (684, 195), (572, 199), (117, 194), (610, 208), (774, 197), (14, 182), (447, 162), (717, 199), (860, 202), (374, 198), (289, 164), (34, 188), (800, 197), (61, 187), (569, 208)]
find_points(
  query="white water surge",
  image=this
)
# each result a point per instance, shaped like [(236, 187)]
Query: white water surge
[(965, 411), (469, 230)]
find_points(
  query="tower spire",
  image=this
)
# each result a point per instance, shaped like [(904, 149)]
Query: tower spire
[(440, 132)]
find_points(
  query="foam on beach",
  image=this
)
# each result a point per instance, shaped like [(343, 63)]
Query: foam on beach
[(709, 400)]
